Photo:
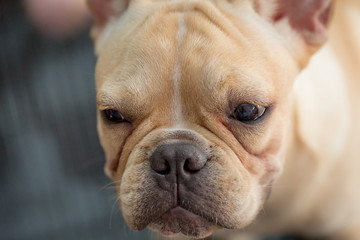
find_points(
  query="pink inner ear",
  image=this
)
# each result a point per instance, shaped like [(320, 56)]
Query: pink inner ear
[(101, 10), (305, 16)]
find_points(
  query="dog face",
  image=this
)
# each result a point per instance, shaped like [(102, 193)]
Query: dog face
[(194, 101)]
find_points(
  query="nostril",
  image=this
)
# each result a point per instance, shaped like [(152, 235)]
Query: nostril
[(161, 166), (193, 165), (188, 168)]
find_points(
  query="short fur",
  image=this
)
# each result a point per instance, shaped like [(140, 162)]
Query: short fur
[(231, 52)]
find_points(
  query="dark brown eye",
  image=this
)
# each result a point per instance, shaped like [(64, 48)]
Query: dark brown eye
[(113, 116), (247, 112)]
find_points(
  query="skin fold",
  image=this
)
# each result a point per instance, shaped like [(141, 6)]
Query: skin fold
[(177, 70)]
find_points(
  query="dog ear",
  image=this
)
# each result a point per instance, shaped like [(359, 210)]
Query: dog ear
[(104, 10), (308, 19)]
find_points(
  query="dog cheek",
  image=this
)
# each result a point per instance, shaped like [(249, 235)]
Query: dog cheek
[(134, 185), (140, 198), (245, 189), (235, 192), (112, 143), (110, 149)]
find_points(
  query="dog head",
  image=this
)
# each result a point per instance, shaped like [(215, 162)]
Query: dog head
[(194, 99)]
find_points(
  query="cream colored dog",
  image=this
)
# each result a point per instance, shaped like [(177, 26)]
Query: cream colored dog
[(200, 114)]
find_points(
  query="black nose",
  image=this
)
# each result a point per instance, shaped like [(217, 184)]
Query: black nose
[(179, 159)]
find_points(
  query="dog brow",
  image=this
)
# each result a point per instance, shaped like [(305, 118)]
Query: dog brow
[(105, 100)]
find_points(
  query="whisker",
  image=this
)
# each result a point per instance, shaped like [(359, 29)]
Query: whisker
[(112, 211), (110, 185)]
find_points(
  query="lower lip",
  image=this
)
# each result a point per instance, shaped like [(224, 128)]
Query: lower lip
[(181, 212)]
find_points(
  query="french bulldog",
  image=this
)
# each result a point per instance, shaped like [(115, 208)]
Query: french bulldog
[(216, 114)]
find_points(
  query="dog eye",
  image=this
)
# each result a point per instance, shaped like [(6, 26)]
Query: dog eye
[(113, 116), (247, 112)]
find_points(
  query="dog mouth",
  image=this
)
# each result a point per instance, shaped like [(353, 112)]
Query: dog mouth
[(178, 220), (183, 189)]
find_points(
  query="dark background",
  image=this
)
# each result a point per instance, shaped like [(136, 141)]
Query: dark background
[(52, 184)]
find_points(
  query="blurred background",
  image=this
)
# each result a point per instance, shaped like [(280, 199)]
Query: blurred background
[(52, 184)]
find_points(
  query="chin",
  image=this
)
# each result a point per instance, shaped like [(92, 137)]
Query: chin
[(181, 222)]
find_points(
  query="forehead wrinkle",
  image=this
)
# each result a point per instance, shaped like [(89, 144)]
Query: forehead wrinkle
[(237, 83), (144, 58), (223, 69)]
